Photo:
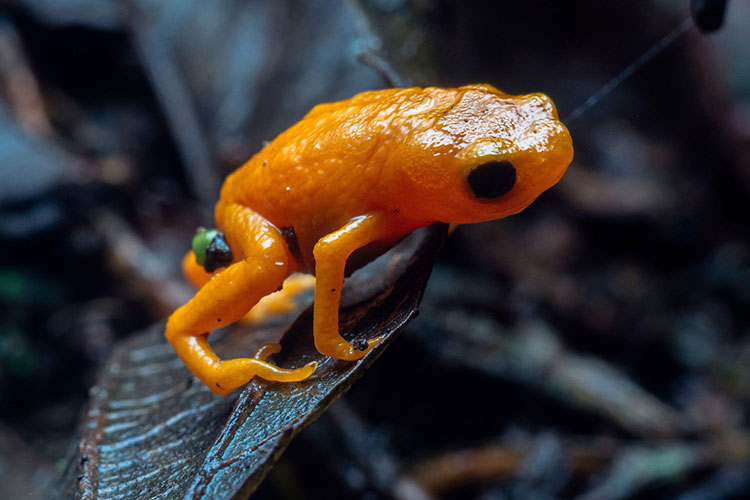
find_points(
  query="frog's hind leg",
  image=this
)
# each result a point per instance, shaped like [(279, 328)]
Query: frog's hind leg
[(262, 263), (194, 272), (284, 301)]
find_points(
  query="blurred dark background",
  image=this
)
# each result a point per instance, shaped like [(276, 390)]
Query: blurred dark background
[(596, 346)]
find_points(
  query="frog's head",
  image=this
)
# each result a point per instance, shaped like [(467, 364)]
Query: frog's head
[(485, 155)]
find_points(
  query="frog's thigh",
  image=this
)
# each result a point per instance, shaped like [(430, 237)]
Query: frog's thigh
[(282, 302), (228, 296), (194, 272), (330, 254)]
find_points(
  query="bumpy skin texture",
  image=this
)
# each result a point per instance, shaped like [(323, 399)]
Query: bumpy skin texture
[(355, 177)]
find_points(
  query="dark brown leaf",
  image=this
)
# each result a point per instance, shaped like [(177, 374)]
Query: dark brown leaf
[(153, 430)]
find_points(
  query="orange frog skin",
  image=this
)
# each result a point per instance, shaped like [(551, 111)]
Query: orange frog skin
[(354, 177)]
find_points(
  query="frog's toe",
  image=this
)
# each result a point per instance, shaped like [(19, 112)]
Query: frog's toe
[(230, 375), (267, 350), (364, 346), (352, 351)]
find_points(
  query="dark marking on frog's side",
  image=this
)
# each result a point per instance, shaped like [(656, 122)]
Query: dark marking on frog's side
[(291, 241), (218, 254)]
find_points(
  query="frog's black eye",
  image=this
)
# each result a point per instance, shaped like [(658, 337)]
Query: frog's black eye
[(211, 250), (492, 179)]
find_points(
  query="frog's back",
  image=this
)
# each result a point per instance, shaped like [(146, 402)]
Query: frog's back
[(329, 164)]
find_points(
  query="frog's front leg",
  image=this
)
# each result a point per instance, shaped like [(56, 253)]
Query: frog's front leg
[(261, 264), (330, 254)]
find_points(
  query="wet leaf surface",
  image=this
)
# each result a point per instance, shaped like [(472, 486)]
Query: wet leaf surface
[(151, 429)]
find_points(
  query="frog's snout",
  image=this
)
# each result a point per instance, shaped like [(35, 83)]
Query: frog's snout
[(542, 104)]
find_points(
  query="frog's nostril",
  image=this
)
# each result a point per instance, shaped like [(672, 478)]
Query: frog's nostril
[(492, 179)]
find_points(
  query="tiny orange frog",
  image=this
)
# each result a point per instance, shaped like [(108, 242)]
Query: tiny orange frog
[(351, 179)]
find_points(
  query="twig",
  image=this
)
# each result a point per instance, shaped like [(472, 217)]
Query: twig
[(639, 466), (177, 105), (130, 257), (385, 69), (727, 117), (376, 461), (20, 85), (630, 467), (372, 47), (499, 461), (533, 355)]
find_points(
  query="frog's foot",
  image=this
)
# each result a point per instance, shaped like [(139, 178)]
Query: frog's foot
[(260, 267), (229, 375), (346, 351), (282, 302)]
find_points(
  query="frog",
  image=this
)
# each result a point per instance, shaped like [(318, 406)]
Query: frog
[(343, 185)]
